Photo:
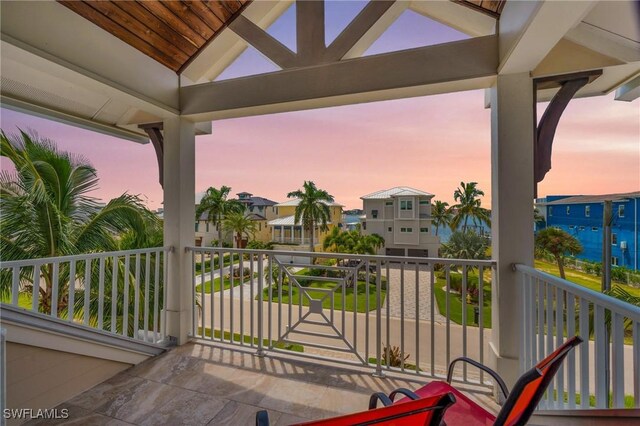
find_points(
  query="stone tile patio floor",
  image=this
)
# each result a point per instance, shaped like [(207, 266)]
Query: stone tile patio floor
[(201, 384)]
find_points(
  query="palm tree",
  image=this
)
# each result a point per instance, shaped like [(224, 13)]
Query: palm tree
[(313, 208), (469, 206), (440, 214), (240, 225), (465, 245), (558, 243), (538, 218), (46, 211), (216, 205)]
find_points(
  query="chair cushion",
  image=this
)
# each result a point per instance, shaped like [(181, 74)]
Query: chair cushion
[(463, 412)]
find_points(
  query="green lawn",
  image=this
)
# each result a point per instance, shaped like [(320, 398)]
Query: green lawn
[(24, 300), (590, 281), (216, 284), (247, 339), (350, 300), (207, 267), (455, 303)]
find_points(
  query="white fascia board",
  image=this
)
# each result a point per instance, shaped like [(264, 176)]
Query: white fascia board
[(54, 32), (528, 30), (227, 46), (61, 117)]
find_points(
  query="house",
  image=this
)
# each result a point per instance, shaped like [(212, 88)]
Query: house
[(257, 208), (582, 217), (402, 216), (285, 230)]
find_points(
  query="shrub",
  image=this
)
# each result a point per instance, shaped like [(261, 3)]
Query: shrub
[(395, 356)]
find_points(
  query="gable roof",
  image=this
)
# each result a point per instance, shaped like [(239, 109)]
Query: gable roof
[(261, 201), (396, 192), (171, 32), (586, 199)]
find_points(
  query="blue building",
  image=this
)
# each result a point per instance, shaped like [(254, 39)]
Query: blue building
[(581, 216)]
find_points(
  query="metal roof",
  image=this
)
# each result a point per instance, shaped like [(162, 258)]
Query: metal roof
[(396, 192), (586, 199), (285, 221)]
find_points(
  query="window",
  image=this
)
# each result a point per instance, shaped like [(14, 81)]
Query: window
[(580, 228), (587, 211), (551, 211), (406, 205), (374, 214), (614, 239), (594, 228), (406, 230), (364, 225), (424, 203), (571, 226), (197, 226), (390, 229), (614, 261), (207, 226), (621, 210), (568, 210), (388, 203), (424, 230)]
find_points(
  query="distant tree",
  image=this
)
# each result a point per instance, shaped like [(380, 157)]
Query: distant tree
[(240, 225), (469, 206), (352, 242), (216, 206), (538, 218), (313, 209), (559, 244), (441, 214), (465, 245)]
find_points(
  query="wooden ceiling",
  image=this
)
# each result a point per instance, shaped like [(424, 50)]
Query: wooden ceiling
[(171, 32), (490, 7)]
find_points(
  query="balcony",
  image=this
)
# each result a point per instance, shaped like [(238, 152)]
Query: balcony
[(331, 333)]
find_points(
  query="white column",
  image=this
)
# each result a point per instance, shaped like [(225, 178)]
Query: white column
[(292, 233), (282, 233), (512, 135), (301, 234), (179, 213), (273, 233)]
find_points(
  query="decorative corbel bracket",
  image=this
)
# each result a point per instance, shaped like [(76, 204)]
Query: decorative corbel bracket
[(154, 130), (546, 129)]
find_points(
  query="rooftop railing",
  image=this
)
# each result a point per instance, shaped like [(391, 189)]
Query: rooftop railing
[(120, 292), (403, 314), (604, 372)]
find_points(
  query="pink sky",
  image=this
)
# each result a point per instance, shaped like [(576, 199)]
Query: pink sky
[(354, 150)]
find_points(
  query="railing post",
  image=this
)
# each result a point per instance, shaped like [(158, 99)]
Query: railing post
[(260, 352), (378, 372)]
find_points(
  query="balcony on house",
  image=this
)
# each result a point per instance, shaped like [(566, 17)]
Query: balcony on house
[(208, 335)]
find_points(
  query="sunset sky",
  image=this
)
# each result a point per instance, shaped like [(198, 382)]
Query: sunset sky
[(430, 143)]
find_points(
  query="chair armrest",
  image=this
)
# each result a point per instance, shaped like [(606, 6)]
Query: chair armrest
[(262, 418), (498, 379), (379, 396), (403, 391)]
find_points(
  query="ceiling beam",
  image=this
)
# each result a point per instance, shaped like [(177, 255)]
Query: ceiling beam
[(275, 51), (354, 32), (407, 69), (310, 31), (629, 91), (528, 30)]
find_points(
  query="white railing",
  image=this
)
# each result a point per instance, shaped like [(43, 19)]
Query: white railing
[(120, 292), (605, 369), (343, 307)]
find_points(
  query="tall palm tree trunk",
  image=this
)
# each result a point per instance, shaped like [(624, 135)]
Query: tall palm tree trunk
[(311, 243), (219, 226), (560, 266)]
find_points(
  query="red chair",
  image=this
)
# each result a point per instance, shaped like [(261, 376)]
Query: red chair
[(419, 412), (519, 404)]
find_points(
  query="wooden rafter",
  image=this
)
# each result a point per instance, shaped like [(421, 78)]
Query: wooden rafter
[(171, 32)]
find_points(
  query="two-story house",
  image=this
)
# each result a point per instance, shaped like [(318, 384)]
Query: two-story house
[(285, 230), (256, 208), (582, 217), (402, 216)]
